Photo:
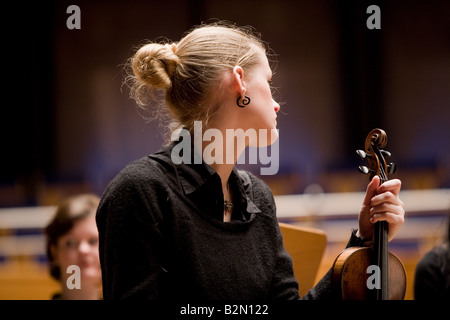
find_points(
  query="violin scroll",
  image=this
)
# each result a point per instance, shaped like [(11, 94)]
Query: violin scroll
[(375, 155)]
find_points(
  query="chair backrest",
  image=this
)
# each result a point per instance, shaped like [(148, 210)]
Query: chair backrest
[(306, 247)]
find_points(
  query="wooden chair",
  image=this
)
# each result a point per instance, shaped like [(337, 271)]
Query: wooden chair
[(25, 279), (306, 247)]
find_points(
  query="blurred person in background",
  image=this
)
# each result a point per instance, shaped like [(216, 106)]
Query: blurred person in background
[(432, 276), (72, 240)]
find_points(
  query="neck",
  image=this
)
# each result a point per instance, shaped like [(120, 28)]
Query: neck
[(221, 153), (224, 171)]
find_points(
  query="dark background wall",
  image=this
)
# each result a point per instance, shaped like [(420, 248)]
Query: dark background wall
[(66, 120)]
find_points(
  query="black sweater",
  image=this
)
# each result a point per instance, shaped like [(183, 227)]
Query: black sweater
[(432, 275), (162, 236)]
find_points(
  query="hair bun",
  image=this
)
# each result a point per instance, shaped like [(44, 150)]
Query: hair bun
[(154, 64)]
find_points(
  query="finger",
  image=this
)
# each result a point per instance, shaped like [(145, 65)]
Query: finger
[(393, 186), (371, 190), (388, 197), (383, 208), (393, 217)]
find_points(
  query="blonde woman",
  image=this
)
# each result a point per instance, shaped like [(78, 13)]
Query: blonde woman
[(183, 222)]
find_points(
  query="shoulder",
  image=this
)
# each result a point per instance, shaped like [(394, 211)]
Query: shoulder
[(144, 177), (139, 188), (138, 172), (433, 259)]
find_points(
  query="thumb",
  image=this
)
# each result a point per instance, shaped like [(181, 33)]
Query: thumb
[(371, 190)]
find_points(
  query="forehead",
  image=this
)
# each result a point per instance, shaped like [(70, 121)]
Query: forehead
[(263, 64), (85, 225)]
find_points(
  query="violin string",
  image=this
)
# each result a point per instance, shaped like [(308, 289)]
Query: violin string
[(382, 163), (383, 174)]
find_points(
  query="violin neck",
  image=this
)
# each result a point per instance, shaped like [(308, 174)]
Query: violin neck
[(381, 251)]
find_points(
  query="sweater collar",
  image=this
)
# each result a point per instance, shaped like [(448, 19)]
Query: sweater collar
[(200, 178)]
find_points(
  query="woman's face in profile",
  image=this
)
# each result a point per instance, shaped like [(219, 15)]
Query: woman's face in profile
[(261, 113)]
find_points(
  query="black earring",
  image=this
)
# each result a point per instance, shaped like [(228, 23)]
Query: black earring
[(245, 101)]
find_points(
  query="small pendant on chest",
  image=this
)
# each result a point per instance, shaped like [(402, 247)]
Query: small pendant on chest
[(227, 205)]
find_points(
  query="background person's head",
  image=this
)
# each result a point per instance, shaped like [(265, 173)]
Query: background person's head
[(72, 239)]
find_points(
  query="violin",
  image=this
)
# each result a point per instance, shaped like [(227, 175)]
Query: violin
[(372, 272)]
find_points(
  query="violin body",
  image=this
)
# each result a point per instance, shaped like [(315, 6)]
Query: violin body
[(351, 275), (353, 266)]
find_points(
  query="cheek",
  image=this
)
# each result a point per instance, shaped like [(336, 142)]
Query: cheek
[(263, 97), (66, 258), (68, 255)]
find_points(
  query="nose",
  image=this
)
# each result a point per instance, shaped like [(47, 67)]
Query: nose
[(276, 106), (84, 247)]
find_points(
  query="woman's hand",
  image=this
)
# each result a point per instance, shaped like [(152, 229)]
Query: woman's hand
[(381, 203)]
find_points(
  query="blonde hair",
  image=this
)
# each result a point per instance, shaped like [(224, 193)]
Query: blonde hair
[(187, 70)]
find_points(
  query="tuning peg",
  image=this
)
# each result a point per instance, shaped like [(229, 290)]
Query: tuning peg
[(385, 153), (361, 154), (391, 168), (365, 170)]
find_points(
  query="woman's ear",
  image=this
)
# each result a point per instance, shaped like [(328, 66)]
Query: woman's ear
[(238, 80)]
